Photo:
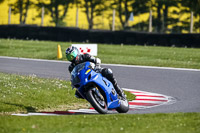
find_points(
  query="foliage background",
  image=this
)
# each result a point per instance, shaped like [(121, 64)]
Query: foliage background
[(168, 16)]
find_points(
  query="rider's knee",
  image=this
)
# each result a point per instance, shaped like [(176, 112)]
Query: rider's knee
[(107, 72)]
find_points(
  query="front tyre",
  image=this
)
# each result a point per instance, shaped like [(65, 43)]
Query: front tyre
[(97, 101), (124, 106)]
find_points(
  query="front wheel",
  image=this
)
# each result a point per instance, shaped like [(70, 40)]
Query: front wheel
[(124, 106), (97, 100)]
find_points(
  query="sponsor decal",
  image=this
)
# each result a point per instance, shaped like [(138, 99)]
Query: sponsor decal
[(143, 100), (87, 71)]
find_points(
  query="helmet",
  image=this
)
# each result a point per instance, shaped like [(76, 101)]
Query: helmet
[(71, 53)]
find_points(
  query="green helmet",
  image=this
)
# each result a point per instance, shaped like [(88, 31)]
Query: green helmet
[(71, 53)]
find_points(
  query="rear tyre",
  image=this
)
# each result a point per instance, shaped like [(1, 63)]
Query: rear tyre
[(124, 106), (97, 102)]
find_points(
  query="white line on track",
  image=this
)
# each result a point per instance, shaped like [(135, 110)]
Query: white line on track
[(145, 101), (84, 110), (153, 98), (119, 65)]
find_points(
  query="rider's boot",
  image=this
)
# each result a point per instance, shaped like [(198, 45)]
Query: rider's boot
[(119, 91), (117, 88)]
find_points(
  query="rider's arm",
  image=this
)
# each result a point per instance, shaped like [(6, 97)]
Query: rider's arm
[(90, 58), (71, 67)]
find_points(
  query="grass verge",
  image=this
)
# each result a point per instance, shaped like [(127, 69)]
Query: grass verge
[(116, 54), (33, 94), (115, 123)]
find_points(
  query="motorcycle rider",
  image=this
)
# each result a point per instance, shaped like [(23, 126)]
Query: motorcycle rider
[(72, 54)]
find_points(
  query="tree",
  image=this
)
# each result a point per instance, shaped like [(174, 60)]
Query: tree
[(93, 8), (1, 1), (162, 19), (21, 7), (125, 7), (192, 5), (52, 8), (141, 7), (123, 10)]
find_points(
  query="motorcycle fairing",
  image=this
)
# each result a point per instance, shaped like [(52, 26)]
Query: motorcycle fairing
[(87, 76)]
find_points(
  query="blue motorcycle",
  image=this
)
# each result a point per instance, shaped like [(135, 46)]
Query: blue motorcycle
[(96, 89)]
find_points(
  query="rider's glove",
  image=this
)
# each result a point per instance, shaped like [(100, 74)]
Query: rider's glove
[(98, 62)]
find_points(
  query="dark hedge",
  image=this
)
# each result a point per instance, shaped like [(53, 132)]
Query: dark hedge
[(98, 36)]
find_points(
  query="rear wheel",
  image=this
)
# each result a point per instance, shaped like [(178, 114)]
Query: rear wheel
[(97, 100)]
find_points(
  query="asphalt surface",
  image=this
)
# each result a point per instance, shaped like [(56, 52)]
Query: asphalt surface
[(182, 84)]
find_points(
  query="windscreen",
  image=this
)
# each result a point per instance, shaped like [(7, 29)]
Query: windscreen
[(77, 69)]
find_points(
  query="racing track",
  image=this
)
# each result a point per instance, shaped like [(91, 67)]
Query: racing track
[(182, 84)]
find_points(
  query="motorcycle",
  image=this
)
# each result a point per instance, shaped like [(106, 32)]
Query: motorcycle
[(96, 89)]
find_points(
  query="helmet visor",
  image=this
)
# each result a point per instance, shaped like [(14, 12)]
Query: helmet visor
[(72, 55)]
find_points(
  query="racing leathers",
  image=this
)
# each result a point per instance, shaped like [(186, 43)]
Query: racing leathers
[(106, 72)]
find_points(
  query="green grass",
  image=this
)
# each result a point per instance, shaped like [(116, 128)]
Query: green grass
[(116, 54), (115, 123), (33, 94), (150, 56)]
